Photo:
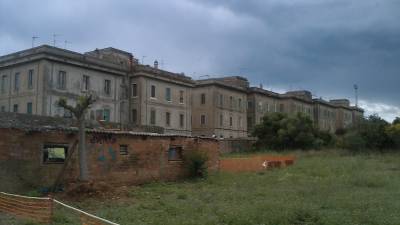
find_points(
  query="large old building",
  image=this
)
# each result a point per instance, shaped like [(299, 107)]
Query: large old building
[(260, 102), (146, 98), (219, 107)]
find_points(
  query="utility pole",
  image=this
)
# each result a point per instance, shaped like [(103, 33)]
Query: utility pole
[(356, 93), (33, 40), (143, 59)]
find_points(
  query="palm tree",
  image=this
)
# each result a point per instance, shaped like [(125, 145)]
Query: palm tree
[(79, 111)]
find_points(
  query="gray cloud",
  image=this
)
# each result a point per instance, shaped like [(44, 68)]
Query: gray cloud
[(324, 46)]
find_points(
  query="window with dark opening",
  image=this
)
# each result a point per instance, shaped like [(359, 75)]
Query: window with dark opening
[(175, 153), (54, 153), (123, 149)]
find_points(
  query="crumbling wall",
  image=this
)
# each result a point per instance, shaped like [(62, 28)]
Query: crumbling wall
[(146, 159)]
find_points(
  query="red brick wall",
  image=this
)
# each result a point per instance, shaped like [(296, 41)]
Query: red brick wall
[(147, 158)]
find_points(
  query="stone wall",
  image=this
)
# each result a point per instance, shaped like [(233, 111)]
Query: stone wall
[(147, 157)]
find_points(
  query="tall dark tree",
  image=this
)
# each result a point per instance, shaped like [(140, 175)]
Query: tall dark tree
[(79, 111)]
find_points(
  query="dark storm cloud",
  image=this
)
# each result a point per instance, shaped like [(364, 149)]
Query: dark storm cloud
[(325, 46)]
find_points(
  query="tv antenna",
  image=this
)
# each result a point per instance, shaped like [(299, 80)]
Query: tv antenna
[(54, 39), (65, 44), (355, 86), (143, 59), (33, 40)]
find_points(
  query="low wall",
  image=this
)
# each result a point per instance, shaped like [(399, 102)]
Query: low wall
[(229, 145), (115, 158)]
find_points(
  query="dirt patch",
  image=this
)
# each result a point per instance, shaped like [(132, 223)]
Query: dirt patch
[(255, 164)]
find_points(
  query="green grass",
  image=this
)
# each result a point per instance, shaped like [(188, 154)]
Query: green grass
[(321, 188)]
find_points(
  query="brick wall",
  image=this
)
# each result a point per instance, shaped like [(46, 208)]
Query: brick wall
[(146, 161)]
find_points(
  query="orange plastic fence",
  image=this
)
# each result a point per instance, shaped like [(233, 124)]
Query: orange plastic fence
[(256, 163), (36, 209)]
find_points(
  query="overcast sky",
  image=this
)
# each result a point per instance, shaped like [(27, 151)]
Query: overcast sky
[(325, 46)]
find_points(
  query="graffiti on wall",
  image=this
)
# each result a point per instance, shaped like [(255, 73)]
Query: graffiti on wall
[(103, 139)]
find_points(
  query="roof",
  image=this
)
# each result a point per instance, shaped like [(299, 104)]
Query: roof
[(219, 82), (59, 54), (264, 92), (35, 123), (162, 74)]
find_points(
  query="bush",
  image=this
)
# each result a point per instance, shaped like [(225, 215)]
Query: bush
[(353, 141), (280, 131), (393, 132), (196, 164)]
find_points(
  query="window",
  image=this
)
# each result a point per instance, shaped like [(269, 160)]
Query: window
[(134, 90), (240, 122), (30, 79), (249, 104), (168, 94), (181, 96), (181, 120), (221, 120), (3, 83), (153, 91), (107, 87), (239, 103), (54, 153), (249, 121), (106, 115), (123, 149), (175, 153), (15, 108), (221, 100), (281, 107), (203, 98), (168, 118), (230, 121), (134, 116), (16, 82), (29, 108), (62, 80), (3, 108), (152, 117), (85, 83), (203, 119), (231, 101)]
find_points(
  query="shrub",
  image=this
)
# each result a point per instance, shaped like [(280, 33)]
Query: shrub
[(353, 141), (280, 131), (393, 132), (196, 164)]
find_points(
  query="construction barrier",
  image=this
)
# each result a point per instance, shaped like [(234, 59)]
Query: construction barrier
[(255, 163), (41, 209), (36, 209)]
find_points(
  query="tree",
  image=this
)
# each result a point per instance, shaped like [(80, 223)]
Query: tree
[(79, 111), (280, 131), (396, 121)]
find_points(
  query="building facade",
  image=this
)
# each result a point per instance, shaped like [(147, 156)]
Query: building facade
[(161, 98), (259, 103), (219, 107), (32, 81), (324, 115), (142, 96)]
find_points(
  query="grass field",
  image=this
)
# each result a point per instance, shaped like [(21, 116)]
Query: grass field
[(321, 188)]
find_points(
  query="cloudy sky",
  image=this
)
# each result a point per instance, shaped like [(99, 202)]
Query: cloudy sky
[(325, 46)]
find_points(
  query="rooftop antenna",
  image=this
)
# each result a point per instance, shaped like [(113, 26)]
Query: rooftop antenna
[(54, 39), (33, 40), (143, 59), (65, 44), (355, 86)]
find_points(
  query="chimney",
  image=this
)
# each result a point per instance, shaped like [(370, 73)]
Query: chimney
[(156, 64)]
